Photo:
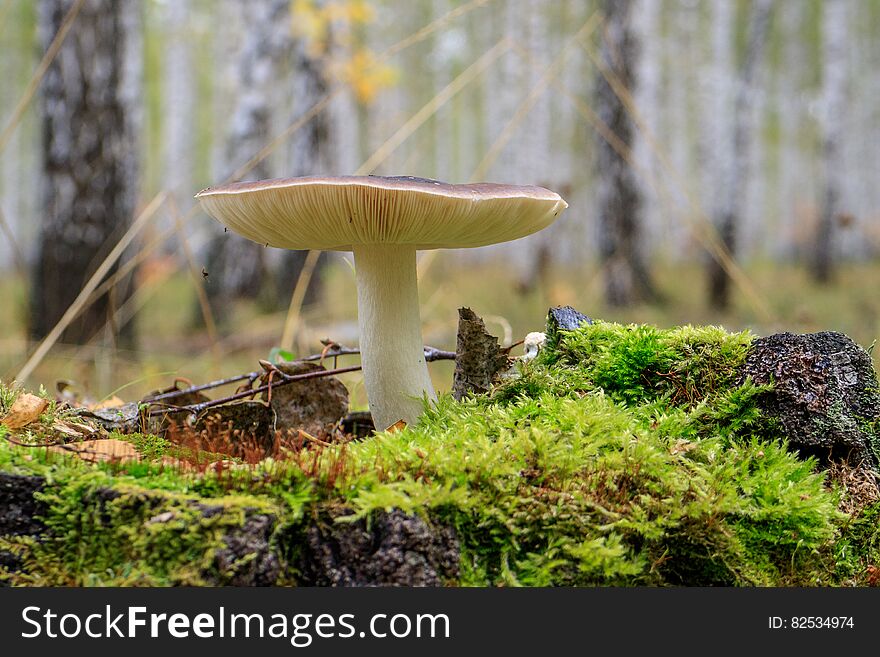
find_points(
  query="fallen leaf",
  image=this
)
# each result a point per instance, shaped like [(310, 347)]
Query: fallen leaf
[(400, 425), (26, 409)]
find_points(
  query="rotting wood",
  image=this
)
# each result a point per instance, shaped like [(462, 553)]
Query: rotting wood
[(479, 357)]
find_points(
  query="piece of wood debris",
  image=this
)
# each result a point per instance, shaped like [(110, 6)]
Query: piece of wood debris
[(479, 358)]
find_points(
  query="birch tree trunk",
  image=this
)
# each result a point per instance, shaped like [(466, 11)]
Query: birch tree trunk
[(238, 266), (734, 192), (626, 276), (834, 41), (178, 104), (718, 143), (310, 152), (91, 125), (646, 23)]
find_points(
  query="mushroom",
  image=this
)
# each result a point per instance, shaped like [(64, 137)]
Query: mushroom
[(384, 221)]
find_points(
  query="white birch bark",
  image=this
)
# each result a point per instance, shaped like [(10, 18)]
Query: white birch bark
[(734, 192), (834, 86)]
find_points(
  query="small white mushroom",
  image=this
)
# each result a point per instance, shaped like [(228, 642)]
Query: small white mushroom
[(384, 221), (532, 344)]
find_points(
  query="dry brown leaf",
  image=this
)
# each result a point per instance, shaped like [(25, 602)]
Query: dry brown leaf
[(27, 408), (94, 451)]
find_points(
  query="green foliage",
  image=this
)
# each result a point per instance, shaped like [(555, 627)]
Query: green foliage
[(623, 455)]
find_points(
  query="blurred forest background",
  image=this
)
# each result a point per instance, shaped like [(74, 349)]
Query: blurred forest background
[(721, 160)]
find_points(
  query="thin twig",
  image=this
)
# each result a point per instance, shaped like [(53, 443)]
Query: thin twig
[(12, 440), (287, 379), (310, 437), (251, 376), (333, 350)]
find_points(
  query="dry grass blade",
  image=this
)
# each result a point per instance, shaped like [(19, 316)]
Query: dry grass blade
[(430, 28), (16, 250), (43, 66), (198, 282), (291, 323), (430, 108), (129, 266), (549, 74), (604, 131), (82, 299), (279, 139)]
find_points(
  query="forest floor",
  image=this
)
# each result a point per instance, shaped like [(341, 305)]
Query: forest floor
[(173, 341), (621, 455)]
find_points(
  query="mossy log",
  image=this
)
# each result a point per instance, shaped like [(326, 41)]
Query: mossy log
[(619, 455)]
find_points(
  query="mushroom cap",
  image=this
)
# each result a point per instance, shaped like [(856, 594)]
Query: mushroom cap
[(335, 213)]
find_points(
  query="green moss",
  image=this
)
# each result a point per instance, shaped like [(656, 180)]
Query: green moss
[(149, 446), (106, 532), (623, 455), (638, 363), (858, 549)]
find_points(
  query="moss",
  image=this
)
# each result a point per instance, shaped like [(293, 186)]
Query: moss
[(857, 552), (623, 455), (111, 533), (148, 445)]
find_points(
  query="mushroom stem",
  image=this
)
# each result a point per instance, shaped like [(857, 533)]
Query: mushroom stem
[(392, 353)]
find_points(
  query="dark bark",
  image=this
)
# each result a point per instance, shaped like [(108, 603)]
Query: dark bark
[(478, 357), (825, 394), (90, 121), (626, 276), (391, 549), (394, 549), (730, 215)]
